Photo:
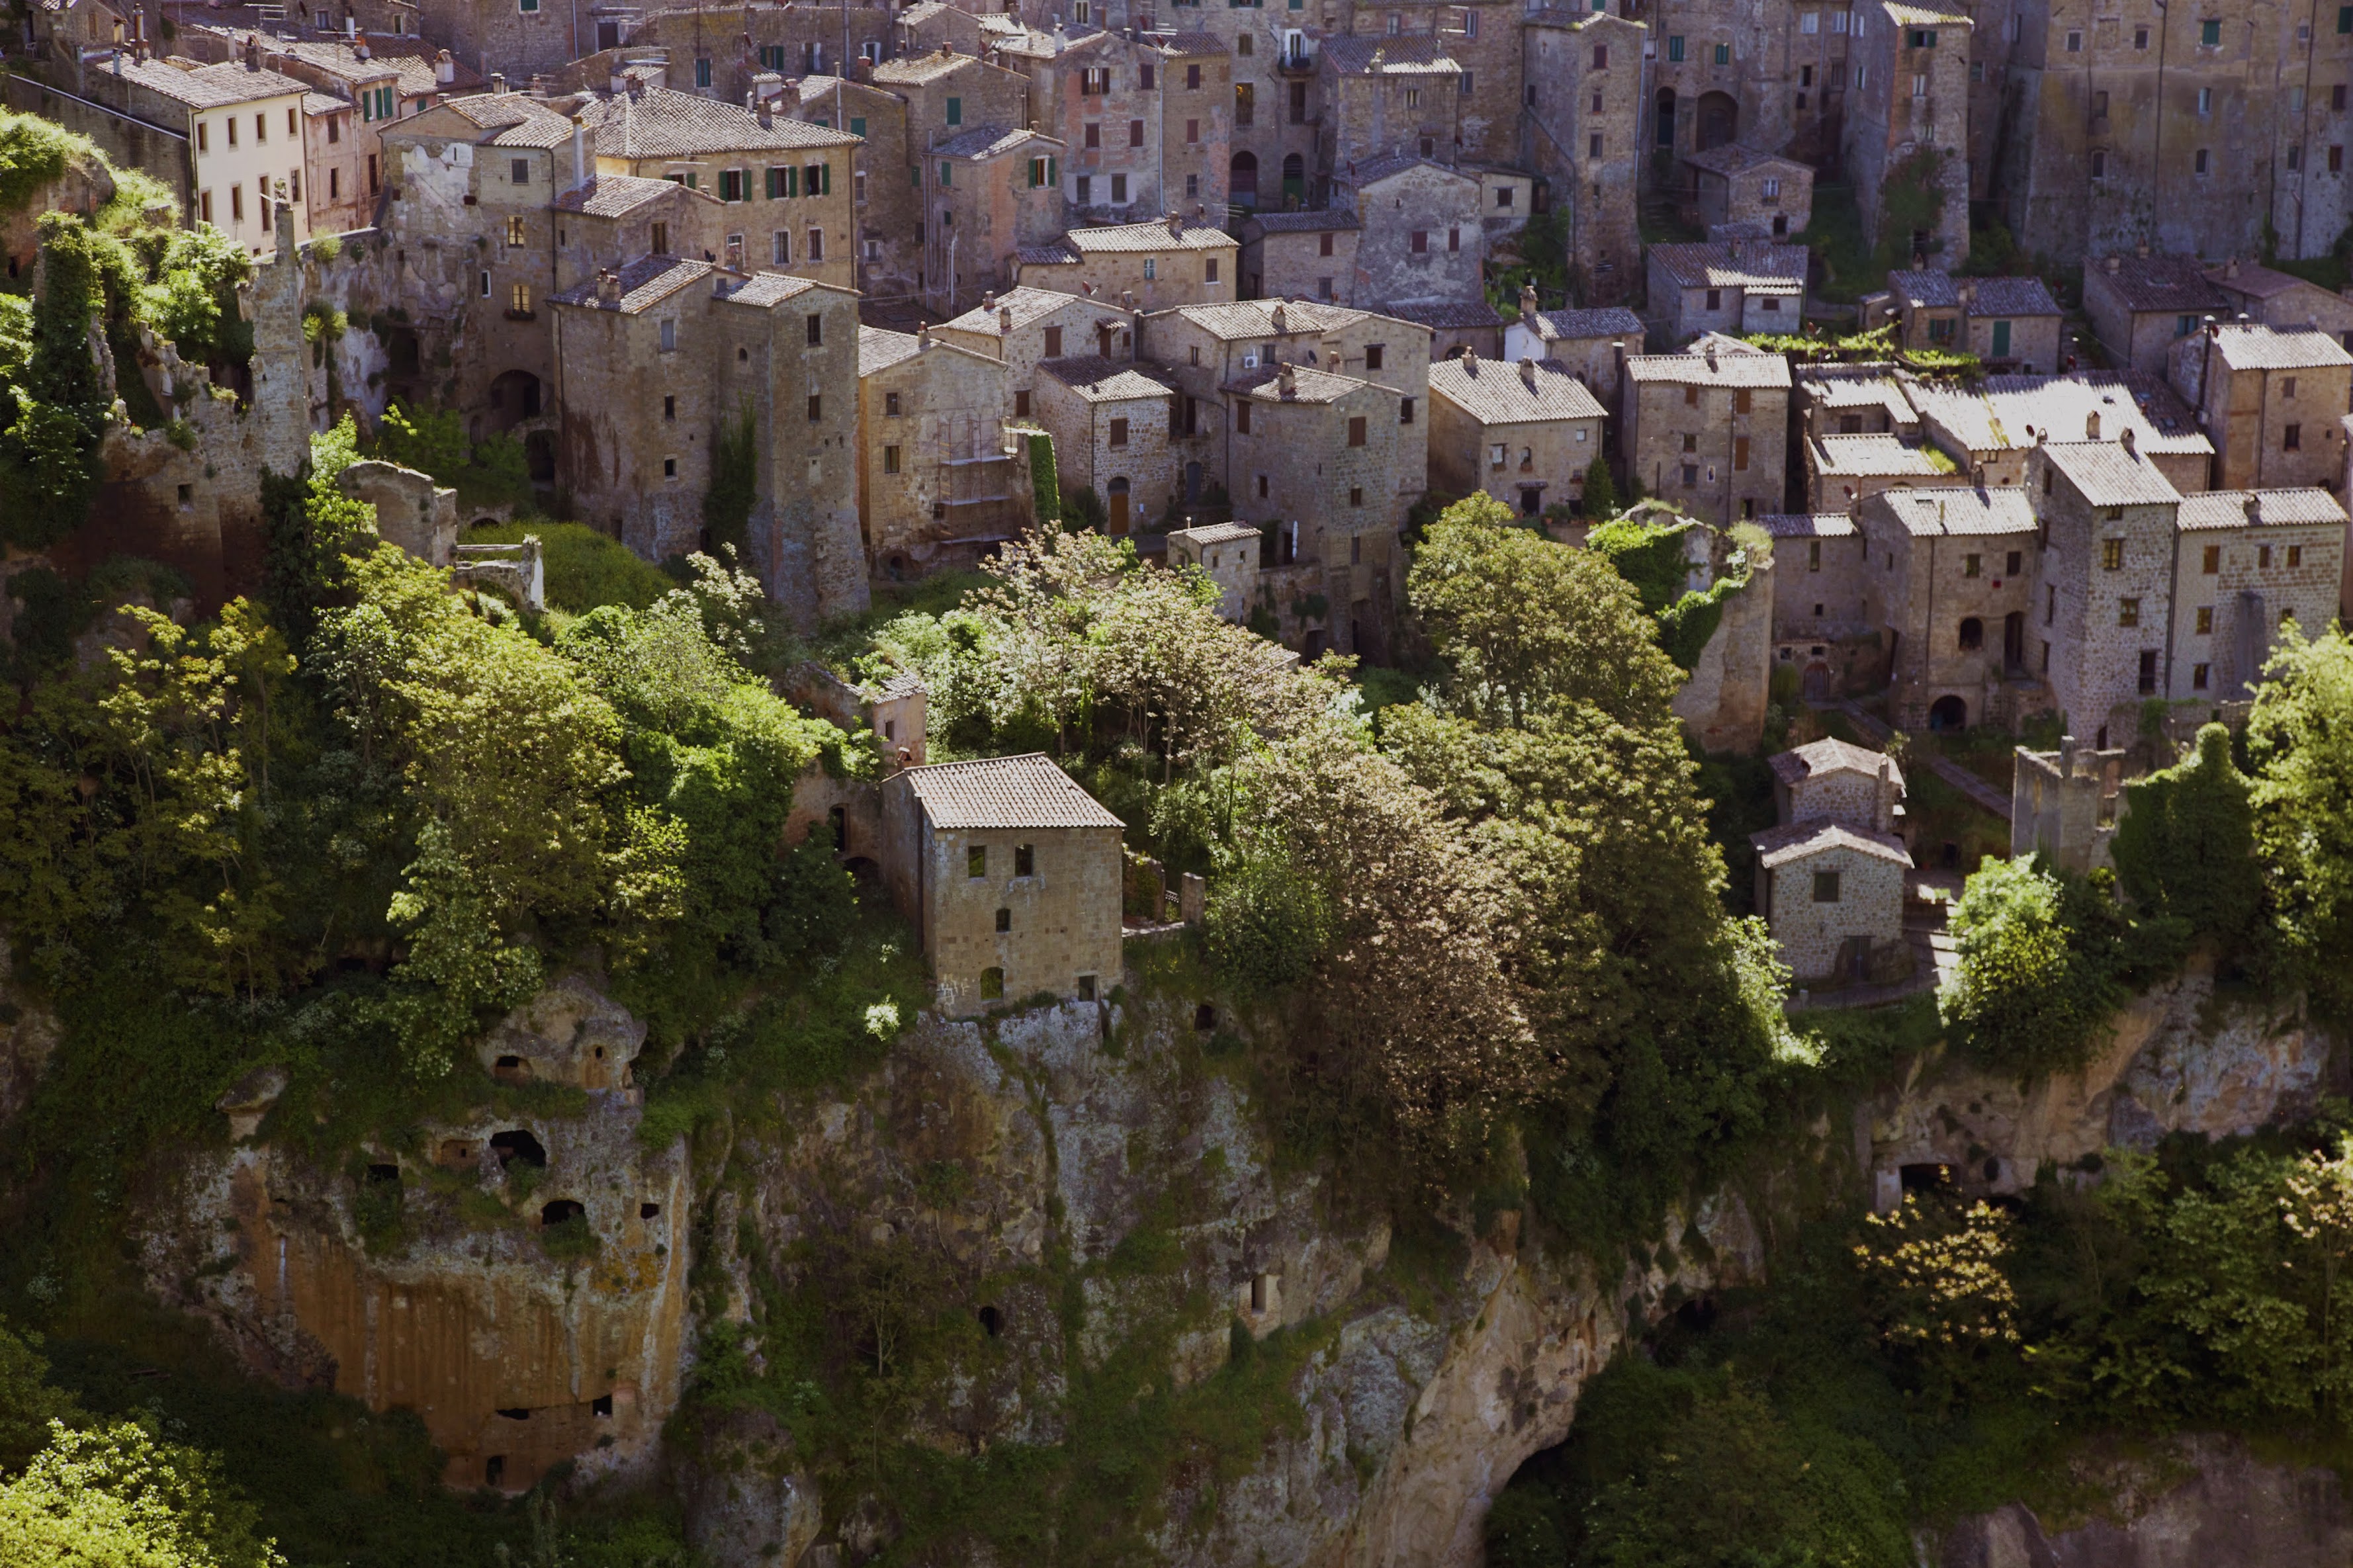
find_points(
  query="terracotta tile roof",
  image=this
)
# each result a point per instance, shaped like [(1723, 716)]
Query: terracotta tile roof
[(1960, 511), (2012, 297), (1832, 756), (913, 70), (1731, 264), (879, 348), (2259, 508), (1921, 16), (986, 142), (2170, 284), (1189, 43), (1493, 391), (1099, 380), (2108, 474), (645, 282), (1875, 456), (342, 59), (1612, 321), (1777, 846), (1444, 315), (1052, 255), (206, 86), (1422, 56), (1139, 237), (320, 103), (1215, 534), (763, 288), (1244, 318), (1808, 525), (1700, 370), (662, 123), (1322, 222), (2269, 348), (2006, 413), (1004, 792), (1308, 385), (610, 196), (1026, 304), (1732, 159)]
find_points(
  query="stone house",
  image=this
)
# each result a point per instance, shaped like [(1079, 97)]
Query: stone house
[(1110, 421), (1300, 255), (987, 195), (1384, 97), (1100, 93), (2273, 298), (786, 185), (1737, 185), (1456, 326), (1593, 345), (2140, 304), (2010, 323), (948, 94), (887, 205), (1949, 584), (1735, 286), (1990, 429), (1860, 399), (1821, 613), (1012, 876), (1507, 199), (1844, 471), (722, 52), (336, 163), (1775, 76), (1228, 553), (1525, 435), (1833, 899), (2271, 399), (1180, 261), (2248, 563), (233, 134), (2108, 518), (1025, 326), (1421, 238), (611, 219), (1909, 110), (937, 485), (894, 709), (1582, 87), (1708, 432), (1833, 780)]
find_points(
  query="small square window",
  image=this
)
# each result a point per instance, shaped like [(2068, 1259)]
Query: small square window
[(1025, 860), (2127, 612), (2205, 620), (670, 468), (2112, 555), (992, 984), (975, 861), (2199, 674), (1826, 887)]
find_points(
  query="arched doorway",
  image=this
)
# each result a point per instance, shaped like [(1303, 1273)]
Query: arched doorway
[(1119, 506), (1294, 181), (1666, 117), (1243, 183), (1948, 713), (514, 397), (1719, 119)]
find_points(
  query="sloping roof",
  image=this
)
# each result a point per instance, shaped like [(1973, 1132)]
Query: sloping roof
[(915, 69), (320, 103), (2170, 284), (1444, 315), (1808, 525), (1099, 380), (2012, 297), (1004, 792), (1611, 321), (341, 58), (2256, 282), (610, 196), (645, 282), (1959, 511), (1189, 43), (1731, 264), (2256, 347), (1404, 56), (1927, 287), (1243, 319), (1733, 159), (765, 288), (1832, 756), (2006, 413), (662, 123), (2259, 508), (1703, 370), (1215, 534), (1777, 846), (1054, 255), (879, 348), (984, 142), (1322, 222), (1026, 304), (1876, 456), (1139, 237), (207, 87), (1495, 391), (2108, 474), (1921, 16), (1373, 171), (1308, 385)]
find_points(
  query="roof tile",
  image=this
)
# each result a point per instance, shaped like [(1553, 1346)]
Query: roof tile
[(1004, 792)]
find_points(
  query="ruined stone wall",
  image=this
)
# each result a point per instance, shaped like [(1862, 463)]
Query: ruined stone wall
[(1723, 701), (918, 482)]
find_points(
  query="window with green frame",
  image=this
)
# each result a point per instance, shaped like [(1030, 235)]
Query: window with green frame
[(857, 125), (2345, 18), (702, 71), (946, 169), (2210, 34), (955, 112), (1723, 54), (1675, 47)]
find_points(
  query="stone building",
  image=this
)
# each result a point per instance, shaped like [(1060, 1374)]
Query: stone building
[(1384, 97), (230, 141), (1737, 285), (1948, 584), (1835, 781), (1832, 896), (2064, 804), (1865, 398), (342, 174), (1708, 432), (1101, 94), (1180, 261), (2271, 400), (937, 485), (2273, 298), (987, 195), (1844, 471), (2012, 324), (1110, 421), (721, 51), (1593, 345), (2108, 518), (1907, 120), (1775, 76), (1583, 88), (1300, 255), (2247, 565), (1990, 429), (609, 220), (2139, 304), (1821, 612), (1228, 553), (1524, 433), (1012, 876), (1025, 326), (888, 206), (1421, 239), (1737, 185), (786, 184), (1456, 326)]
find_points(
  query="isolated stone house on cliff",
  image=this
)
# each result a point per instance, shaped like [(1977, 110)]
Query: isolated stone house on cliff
[(1829, 878)]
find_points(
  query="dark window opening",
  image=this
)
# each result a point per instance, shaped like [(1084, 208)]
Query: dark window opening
[(1025, 860), (516, 1414), (1926, 1178), (975, 861), (494, 1470), (992, 1322), (650, 1211), (1004, 920), (1205, 1016), (1972, 633), (601, 1405), (561, 1210), (379, 1175), (511, 1069), (518, 1144), (992, 984), (839, 819)]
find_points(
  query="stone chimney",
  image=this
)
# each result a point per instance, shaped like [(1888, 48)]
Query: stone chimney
[(2131, 444), (1528, 371), (1883, 804), (2067, 756), (2253, 507), (1711, 356), (1005, 320), (608, 287), (498, 81), (1529, 316), (922, 335), (2231, 268), (1470, 359), (362, 50), (2141, 250), (253, 54), (579, 153), (2092, 425), (1282, 320), (445, 70), (1286, 381), (1176, 226), (2113, 263)]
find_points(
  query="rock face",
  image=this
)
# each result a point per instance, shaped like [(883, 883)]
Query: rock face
[(2232, 1512)]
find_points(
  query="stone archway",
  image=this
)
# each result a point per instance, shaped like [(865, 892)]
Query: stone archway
[(514, 397), (1718, 120), (1948, 713)]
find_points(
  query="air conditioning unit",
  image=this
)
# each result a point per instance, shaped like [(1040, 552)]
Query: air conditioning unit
[(1249, 359)]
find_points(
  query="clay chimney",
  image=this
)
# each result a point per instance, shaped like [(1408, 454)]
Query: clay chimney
[(1281, 321), (1884, 814), (1470, 359), (1286, 381), (2131, 444), (2141, 249), (2113, 263), (608, 287), (1177, 225), (1528, 312), (1004, 319), (498, 81), (2253, 507), (1711, 356), (2092, 425), (445, 70), (1528, 371), (253, 54)]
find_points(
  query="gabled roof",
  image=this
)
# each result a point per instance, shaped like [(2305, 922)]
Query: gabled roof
[(879, 348), (341, 58), (645, 283), (1099, 380), (2259, 508), (987, 142), (2107, 475), (2256, 282), (913, 70), (1215, 534), (1373, 171), (2006, 413), (1706, 370), (1308, 385), (1325, 221), (1878, 456), (1808, 525), (2012, 297), (1495, 391), (1611, 321), (206, 86), (2257, 347), (661, 122), (1403, 56), (2169, 284), (1186, 44), (1445, 315), (1733, 159), (611, 196), (1731, 264), (1004, 792), (1137, 238), (1922, 16), (1026, 304), (1956, 511), (765, 288), (1241, 318), (1777, 846), (1832, 756)]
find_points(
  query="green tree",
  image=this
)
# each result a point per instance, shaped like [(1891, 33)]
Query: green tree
[(429, 440), (734, 483), (53, 412), (2302, 747), (115, 1496), (2186, 845), (1600, 489), (2036, 980)]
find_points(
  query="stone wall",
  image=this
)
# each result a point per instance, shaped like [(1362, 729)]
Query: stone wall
[(1813, 936), (1722, 702)]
